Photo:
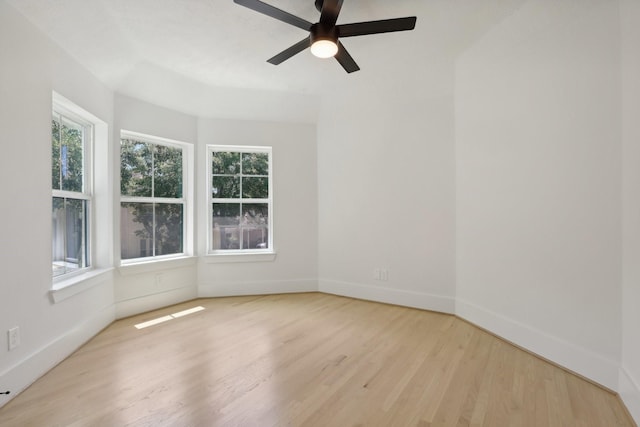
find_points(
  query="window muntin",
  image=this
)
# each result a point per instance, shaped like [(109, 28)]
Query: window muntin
[(152, 208), (71, 140), (240, 200)]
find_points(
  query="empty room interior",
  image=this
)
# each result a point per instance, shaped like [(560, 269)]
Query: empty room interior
[(439, 226)]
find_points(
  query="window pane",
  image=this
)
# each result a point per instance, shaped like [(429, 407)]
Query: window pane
[(243, 180), (168, 236), (135, 168), (255, 188), (255, 164), (69, 234), (151, 173), (224, 163), (167, 174), (255, 228), (71, 145), (226, 226), (58, 237), (225, 187), (76, 232), (136, 230), (55, 153)]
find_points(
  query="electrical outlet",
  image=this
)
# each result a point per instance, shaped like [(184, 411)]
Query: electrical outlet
[(14, 338), (376, 274), (384, 274)]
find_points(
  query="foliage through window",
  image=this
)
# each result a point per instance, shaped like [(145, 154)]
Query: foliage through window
[(240, 199), (71, 188), (152, 200)]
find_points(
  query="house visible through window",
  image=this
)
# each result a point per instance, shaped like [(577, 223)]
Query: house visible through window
[(152, 208), (240, 199), (71, 139)]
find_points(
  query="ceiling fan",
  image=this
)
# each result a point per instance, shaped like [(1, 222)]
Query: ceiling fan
[(324, 35)]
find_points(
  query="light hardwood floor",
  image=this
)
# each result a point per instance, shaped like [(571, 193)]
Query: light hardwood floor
[(307, 360)]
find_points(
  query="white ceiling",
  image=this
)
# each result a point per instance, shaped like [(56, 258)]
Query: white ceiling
[(217, 45)]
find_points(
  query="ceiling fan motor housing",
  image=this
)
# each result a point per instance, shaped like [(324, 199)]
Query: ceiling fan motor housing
[(321, 32)]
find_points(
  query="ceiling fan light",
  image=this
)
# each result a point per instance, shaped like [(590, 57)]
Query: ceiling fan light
[(324, 48)]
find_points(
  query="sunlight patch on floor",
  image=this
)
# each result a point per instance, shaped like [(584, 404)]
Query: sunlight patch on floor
[(169, 317)]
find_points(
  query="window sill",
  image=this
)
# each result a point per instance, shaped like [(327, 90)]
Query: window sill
[(239, 257), (155, 265), (67, 288)]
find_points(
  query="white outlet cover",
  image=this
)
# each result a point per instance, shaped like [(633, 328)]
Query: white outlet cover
[(14, 337)]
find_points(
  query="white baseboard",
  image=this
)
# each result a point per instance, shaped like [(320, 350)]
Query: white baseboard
[(584, 362), (262, 287), (424, 301), (142, 304), (20, 376), (629, 390)]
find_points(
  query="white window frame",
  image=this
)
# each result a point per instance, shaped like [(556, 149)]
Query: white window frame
[(185, 200), (248, 254), (64, 108)]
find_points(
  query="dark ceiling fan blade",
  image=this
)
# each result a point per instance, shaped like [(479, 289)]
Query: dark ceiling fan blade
[(276, 13), (288, 53), (330, 12), (346, 60), (375, 27)]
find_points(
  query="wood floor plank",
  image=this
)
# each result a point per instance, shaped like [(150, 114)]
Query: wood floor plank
[(306, 360)]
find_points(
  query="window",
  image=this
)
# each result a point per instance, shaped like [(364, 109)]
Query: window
[(240, 199), (152, 202), (71, 142)]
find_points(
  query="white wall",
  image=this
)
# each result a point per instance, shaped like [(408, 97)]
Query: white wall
[(295, 207), (538, 160), (630, 372), (32, 67), (386, 189), (161, 86)]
